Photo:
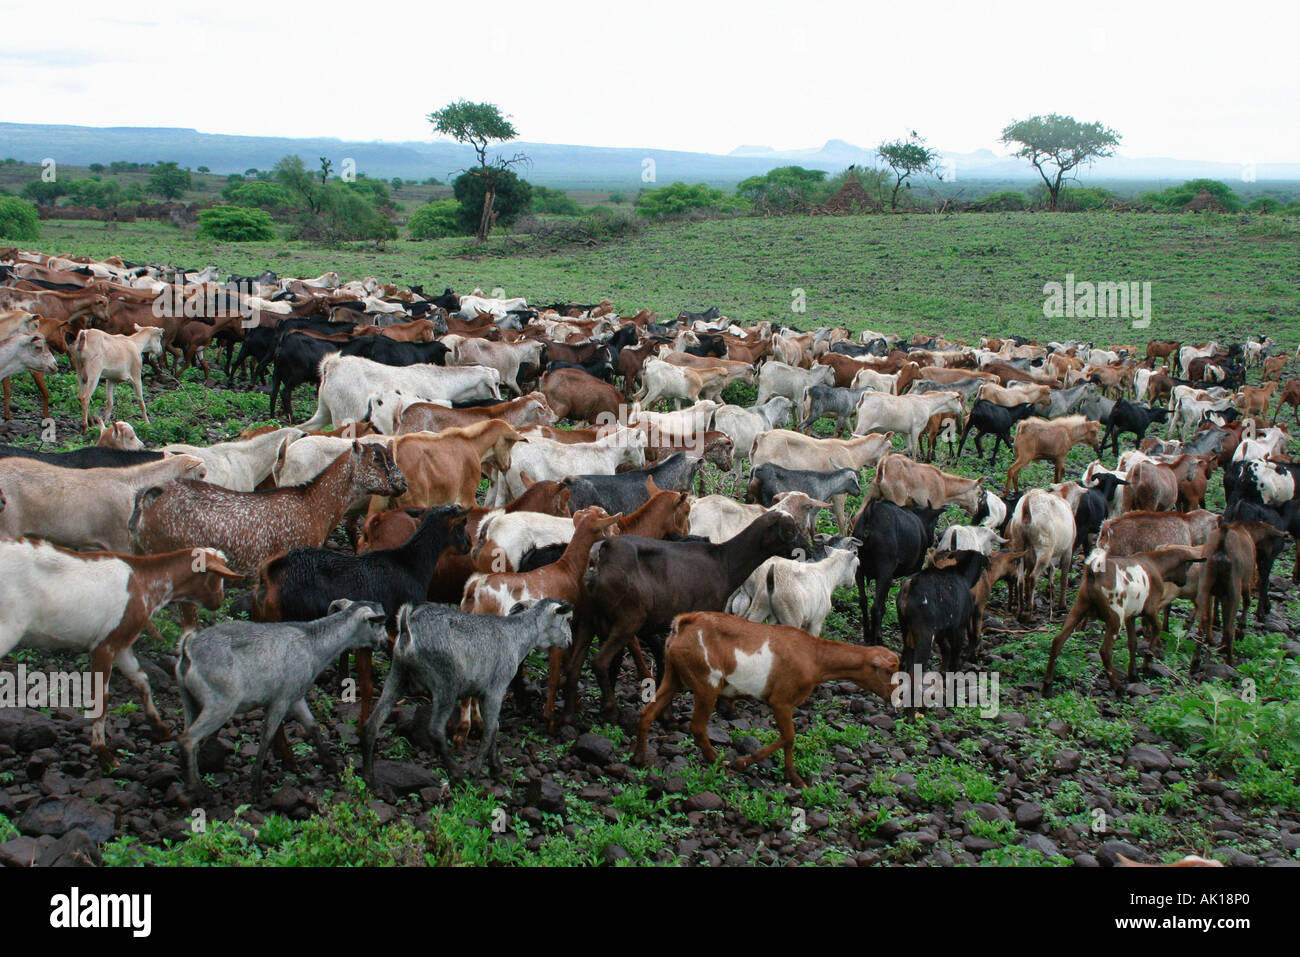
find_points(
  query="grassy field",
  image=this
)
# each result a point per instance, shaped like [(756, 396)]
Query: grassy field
[(962, 275), (880, 790)]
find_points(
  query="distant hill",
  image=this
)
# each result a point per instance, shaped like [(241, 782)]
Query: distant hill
[(557, 165)]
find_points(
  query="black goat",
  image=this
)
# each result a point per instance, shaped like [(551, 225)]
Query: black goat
[(894, 542)]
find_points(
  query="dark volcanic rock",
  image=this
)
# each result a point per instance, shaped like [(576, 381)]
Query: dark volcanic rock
[(58, 815)]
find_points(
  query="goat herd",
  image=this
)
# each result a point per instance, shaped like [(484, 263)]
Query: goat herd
[(592, 532)]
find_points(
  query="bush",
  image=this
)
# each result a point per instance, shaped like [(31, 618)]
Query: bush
[(1265, 204), (168, 180), (784, 189), (234, 224), (270, 195), (554, 201), (1176, 197), (1009, 200), (683, 199), (513, 196), (43, 193), (18, 219), (435, 220), (1077, 199), (605, 223)]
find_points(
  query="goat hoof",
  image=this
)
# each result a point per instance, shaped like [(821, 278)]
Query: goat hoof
[(160, 733)]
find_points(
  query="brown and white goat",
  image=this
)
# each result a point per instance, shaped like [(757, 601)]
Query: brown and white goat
[(104, 599), (1118, 591), (716, 655)]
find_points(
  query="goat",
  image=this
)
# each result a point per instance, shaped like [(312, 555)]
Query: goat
[(1118, 591), (103, 601), (1227, 580), (894, 544), (716, 655), (115, 359), (82, 507), (936, 605), (782, 591), (236, 666), (634, 586), (450, 656)]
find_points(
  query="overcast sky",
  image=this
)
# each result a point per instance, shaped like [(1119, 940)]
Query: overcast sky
[(1176, 80)]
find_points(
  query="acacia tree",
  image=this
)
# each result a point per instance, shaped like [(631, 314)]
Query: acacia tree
[(168, 180), (479, 125), (906, 157), (1061, 142)]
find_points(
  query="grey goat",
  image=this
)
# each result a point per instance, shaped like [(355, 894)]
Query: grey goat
[(450, 655), (237, 666)]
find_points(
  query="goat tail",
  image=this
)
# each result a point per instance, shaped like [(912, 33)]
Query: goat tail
[(326, 364), (403, 624), (183, 660)]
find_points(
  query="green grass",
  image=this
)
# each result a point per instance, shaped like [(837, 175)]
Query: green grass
[(348, 834), (961, 274)]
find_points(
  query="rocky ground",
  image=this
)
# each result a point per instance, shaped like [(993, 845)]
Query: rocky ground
[(1075, 779)]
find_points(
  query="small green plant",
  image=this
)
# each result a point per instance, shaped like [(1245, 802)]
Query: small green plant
[(435, 220), (18, 219), (234, 224)]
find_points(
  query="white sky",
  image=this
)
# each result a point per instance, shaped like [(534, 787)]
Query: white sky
[(1178, 79)]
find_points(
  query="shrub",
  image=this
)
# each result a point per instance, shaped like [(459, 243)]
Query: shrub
[(1176, 197), (234, 224), (605, 223), (683, 199), (435, 220), (784, 189), (513, 196), (1077, 199), (271, 195), (1265, 204), (18, 219), (1009, 200), (554, 201)]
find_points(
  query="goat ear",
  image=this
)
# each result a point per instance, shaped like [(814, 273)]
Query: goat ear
[(338, 605), (219, 567)]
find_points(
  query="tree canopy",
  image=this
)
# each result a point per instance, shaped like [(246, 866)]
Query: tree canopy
[(906, 158), (1059, 143)]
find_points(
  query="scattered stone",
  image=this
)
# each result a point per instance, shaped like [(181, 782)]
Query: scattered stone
[(1067, 761), (1145, 757), (704, 801), (57, 816), (401, 777), (1108, 853), (1029, 815), (546, 796), (74, 849)]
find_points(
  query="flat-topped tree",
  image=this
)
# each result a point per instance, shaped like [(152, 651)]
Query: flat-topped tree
[(479, 125), (1059, 142), (906, 157)]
